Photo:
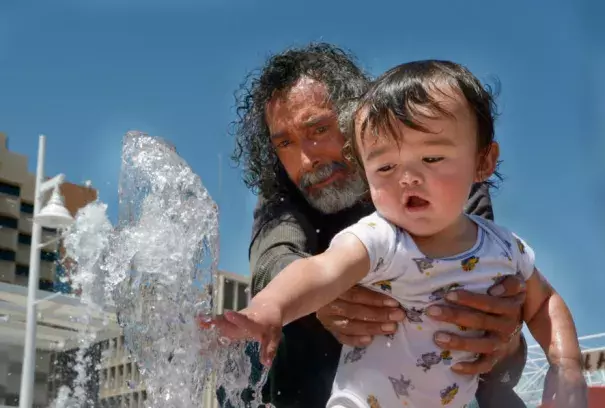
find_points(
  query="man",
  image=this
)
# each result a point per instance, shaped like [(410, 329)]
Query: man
[(289, 142)]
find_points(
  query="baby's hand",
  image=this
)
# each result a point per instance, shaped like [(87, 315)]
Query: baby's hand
[(568, 386), (262, 323)]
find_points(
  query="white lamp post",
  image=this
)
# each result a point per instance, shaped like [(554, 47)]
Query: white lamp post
[(54, 215)]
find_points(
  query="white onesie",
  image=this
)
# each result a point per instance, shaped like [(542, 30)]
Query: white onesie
[(407, 369)]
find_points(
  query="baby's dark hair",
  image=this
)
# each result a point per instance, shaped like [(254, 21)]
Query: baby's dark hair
[(405, 92)]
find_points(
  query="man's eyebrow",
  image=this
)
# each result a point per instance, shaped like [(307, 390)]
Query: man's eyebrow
[(277, 135), (314, 120)]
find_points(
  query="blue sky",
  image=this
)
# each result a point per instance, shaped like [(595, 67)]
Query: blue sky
[(83, 72)]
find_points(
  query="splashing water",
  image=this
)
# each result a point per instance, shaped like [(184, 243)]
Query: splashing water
[(158, 267), (84, 246)]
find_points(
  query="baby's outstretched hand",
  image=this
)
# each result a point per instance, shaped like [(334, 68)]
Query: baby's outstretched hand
[(262, 323)]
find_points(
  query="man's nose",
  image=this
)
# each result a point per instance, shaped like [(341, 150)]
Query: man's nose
[(309, 155)]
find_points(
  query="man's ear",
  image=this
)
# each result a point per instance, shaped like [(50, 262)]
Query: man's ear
[(488, 161)]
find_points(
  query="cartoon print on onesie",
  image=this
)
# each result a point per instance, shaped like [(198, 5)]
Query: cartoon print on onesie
[(427, 360), (423, 264), (448, 394), (373, 401), (469, 263), (354, 355), (401, 386)]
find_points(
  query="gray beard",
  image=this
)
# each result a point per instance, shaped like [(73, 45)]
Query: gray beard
[(338, 196)]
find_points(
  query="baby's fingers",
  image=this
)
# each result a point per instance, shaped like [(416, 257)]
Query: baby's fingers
[(269, 346), (224, 327), (249, 328)]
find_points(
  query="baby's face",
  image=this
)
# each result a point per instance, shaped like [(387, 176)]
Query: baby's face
[(420, 181)]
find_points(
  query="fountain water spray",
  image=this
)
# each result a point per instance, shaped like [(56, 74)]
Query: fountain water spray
[(158, 268)]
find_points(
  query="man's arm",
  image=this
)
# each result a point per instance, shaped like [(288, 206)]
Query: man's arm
[(280, 235)]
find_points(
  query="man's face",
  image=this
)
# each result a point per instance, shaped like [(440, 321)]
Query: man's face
[(304, 131)]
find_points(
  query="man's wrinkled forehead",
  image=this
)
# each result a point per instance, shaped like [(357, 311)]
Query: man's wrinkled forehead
[(305, 104)]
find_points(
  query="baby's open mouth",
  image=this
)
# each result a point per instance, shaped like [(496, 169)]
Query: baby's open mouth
[(416, 202)]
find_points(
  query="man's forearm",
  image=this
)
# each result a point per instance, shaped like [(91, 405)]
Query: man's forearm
[(496, 390), (280, 236)]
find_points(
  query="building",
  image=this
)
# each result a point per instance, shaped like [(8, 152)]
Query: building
[(16, 211), (120, 382)]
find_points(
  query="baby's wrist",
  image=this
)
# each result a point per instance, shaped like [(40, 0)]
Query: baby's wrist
[(568, 370), (566, 364), (259, 303)]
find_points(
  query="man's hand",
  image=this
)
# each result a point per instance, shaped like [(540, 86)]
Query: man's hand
[(498, 314), (359, 314)]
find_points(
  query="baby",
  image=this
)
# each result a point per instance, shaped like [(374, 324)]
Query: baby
[(424, 134)]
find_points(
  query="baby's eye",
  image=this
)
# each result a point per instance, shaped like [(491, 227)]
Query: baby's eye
[(386, 168), (432, 160)]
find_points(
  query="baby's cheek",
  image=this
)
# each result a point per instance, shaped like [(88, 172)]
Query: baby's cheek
[(376, 193), (380, 197)]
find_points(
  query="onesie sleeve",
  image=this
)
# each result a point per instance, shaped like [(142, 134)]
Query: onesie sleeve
[(526, 258), (379, 238)]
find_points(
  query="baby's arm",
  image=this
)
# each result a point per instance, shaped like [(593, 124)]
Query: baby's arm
[(550, 322), (310, 283)]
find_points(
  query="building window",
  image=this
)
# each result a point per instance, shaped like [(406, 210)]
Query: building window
[(10, 189), (27, 208), (45, 284), (7, 255), (49, 230), (242, 296), (22, 270), (12, 400), (62, 283), (9, 222), (48, 256), (25, 239), (228, 299)]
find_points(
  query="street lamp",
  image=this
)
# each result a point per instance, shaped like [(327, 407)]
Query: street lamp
[(56, 216)]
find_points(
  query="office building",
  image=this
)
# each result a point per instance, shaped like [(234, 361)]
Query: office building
[(16, 212)]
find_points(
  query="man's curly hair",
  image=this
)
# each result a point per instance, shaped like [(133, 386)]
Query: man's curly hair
[(326, 63)]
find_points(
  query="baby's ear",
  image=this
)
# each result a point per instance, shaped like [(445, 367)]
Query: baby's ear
[(488, 161)]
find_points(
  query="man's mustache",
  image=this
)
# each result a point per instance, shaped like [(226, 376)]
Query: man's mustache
[(320, 174)]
